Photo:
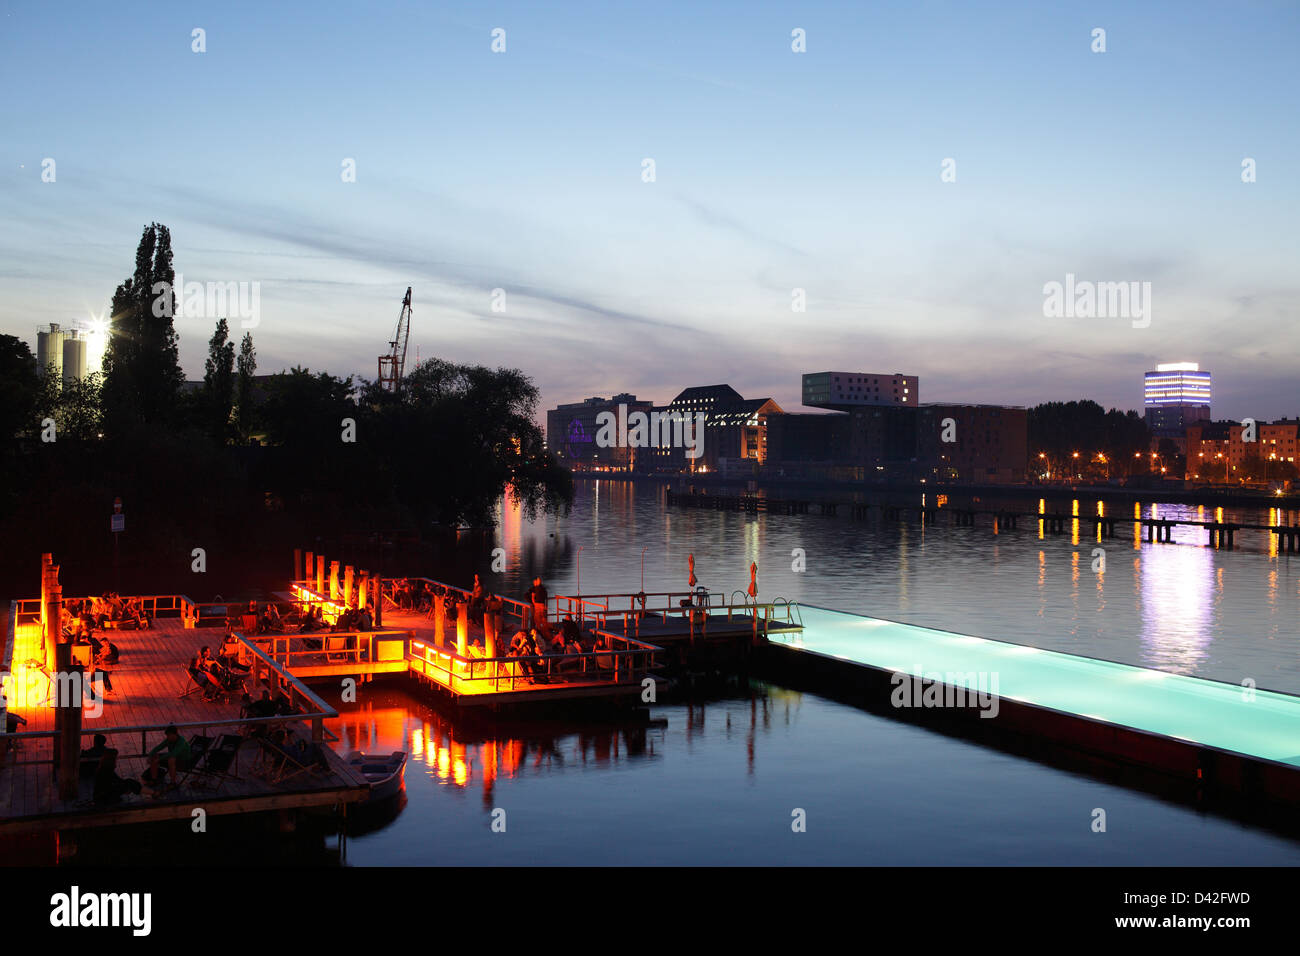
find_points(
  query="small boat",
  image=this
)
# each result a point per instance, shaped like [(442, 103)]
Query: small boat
[(384, 773)]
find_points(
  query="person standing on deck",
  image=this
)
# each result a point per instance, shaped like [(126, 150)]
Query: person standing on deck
[(538, 596)]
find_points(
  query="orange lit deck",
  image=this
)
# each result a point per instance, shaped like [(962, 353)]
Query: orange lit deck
[(617, 672), (147, 684)]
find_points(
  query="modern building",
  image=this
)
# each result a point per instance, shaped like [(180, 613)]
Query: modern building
[(735, 430), (842, 391), (1218, 451), (1176, 395), (984, 444), (571, 432)]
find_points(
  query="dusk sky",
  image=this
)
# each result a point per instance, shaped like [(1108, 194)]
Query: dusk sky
[(774, 170)]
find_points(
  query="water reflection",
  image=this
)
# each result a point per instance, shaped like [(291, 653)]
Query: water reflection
[(1177, 593)]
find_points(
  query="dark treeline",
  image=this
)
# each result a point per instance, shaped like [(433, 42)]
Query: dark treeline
[(1059, 429), (244, 467)]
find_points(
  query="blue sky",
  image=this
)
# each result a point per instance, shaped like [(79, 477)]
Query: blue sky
[(774, 171)]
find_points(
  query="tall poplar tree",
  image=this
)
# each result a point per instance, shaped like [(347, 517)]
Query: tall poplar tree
[(142, 372)]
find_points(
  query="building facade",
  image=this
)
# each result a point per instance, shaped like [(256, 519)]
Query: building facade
[(572, 430), (843, 391), (989, 443), (1218, 452), (1175, 396)]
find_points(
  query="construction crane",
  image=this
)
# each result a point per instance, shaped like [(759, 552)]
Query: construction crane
[(393, 365)]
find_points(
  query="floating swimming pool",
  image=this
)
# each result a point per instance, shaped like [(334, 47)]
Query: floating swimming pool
[(1257, 724)]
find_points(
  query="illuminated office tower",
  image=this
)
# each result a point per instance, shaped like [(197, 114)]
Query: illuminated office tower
[(1176, 394)]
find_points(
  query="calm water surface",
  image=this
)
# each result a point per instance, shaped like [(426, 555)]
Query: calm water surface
[(718, 781)]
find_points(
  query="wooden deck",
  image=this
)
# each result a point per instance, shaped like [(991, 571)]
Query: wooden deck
[(675, 629), (148, 684), (479, 682)]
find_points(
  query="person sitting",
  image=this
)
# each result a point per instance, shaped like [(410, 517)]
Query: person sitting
[(134, 613), (229, 654), (111, 653), (109, 787), (282, 706), (90, 756), (198, 668), (175, 750), (364, 621), (573, 646)]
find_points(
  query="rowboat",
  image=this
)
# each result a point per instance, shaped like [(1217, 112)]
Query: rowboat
[(384, 772)]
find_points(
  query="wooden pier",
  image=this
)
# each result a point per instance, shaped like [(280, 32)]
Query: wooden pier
[(150, 685), (1220, 534)]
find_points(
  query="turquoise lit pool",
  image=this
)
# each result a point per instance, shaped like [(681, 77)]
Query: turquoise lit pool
[(1245, 720)]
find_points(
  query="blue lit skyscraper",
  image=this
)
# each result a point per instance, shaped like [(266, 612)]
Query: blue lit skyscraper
[(1176, 394)]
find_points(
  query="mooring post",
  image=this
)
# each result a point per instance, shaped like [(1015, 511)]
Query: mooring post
[(67, 702), (320, 574), (297, 564)]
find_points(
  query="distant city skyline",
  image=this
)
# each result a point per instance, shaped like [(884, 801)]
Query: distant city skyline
[(775, 171)]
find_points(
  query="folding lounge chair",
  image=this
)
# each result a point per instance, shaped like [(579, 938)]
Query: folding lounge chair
[(283, 766), (199, 683), (218, 761)]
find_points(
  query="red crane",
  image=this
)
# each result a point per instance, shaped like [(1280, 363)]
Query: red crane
[(393, 365)]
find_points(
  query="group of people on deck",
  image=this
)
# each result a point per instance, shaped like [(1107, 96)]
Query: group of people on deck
[(99, 762), (218, 676)]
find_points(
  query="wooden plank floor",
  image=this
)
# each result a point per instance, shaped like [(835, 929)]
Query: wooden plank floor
[(147, 683)]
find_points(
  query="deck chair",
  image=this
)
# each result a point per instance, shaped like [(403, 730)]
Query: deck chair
[(199, 745), (282, 765), (218, 763), (199, 683), (336, 647)]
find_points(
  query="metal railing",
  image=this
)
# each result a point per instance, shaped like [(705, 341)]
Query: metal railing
[(306, 706), (625, 661)]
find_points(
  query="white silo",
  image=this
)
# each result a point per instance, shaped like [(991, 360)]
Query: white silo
[(49, 350), (74, 359)]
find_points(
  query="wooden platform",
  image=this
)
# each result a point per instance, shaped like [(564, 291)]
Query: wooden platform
[(716, 627), (583, 681), (147, 686)]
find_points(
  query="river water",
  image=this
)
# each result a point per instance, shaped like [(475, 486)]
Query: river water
[(721, 775)]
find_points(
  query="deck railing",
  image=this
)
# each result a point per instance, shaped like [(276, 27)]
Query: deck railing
[(626, 661), (515, 614), (697, 607), (307, 708), (337, 647)]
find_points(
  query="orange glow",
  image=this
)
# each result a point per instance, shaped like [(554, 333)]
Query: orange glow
[(330, 610)]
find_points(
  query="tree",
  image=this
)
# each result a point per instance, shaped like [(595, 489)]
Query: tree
[(79, 414), (142, 373), (20, 391), (244, 388), (457, 437), (219, 382)]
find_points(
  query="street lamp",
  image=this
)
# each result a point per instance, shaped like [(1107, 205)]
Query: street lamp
[(643, 568), (579, 571)]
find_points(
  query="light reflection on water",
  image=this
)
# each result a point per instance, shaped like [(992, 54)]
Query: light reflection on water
[(717, 783)]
